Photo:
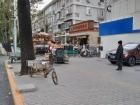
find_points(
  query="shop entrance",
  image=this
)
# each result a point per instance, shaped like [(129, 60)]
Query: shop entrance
[(83, 40)]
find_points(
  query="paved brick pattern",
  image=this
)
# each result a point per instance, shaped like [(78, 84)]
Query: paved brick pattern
[(85, 81)]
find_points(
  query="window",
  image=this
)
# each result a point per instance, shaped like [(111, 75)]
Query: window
[(69, 10), (62, 13), (115, 1), (67, 1), (101, 0), (88, 1), (77, 14), (88, 12), (58, 15)]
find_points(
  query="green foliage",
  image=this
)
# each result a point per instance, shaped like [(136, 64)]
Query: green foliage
[(6, 11), (7, 17), (34, 6)]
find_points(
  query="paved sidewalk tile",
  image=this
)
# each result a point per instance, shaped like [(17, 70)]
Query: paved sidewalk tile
[(84, 81)]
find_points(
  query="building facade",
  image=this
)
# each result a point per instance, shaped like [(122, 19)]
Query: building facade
[(84, 33), (38, 22), (122, 23), (59, 15)]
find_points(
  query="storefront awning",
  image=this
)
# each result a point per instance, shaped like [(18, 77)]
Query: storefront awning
[(84, 36), (81, 33)]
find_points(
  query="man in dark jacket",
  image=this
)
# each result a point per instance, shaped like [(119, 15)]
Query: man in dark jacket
[(119, 55)]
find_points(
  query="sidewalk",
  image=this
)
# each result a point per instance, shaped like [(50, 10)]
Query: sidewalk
[(82, 82), (5, 89), (45, 92)]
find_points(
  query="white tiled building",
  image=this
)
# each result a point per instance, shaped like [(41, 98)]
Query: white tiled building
[(61, 14)]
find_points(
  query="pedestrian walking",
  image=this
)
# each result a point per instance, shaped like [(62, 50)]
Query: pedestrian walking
[(119, 55)]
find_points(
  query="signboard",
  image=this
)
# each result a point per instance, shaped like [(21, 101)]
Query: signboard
[(83, 26)]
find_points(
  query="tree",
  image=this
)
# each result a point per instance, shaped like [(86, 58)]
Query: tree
[(25, 31)]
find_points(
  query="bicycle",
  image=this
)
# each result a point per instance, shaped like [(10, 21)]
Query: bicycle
[(51, 69)]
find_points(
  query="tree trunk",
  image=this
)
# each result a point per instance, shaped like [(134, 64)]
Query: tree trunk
[(25, 31)]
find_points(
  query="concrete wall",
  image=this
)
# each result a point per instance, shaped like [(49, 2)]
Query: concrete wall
[(82, 10), (122, 29), (93, 38), (111, 42), (83, 5), (127, 31), (136, 21), (121, 8)]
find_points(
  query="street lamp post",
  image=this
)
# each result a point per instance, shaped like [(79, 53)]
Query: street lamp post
[(14, 28)]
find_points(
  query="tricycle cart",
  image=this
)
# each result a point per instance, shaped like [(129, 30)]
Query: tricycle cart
[(43, 66)]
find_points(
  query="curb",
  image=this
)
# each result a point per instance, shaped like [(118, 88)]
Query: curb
[(17, 97)]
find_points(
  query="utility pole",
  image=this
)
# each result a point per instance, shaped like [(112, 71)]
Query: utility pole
[(66, 35), (15, 28)]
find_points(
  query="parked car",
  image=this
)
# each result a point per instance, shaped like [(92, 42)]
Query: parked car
[(131, 54)]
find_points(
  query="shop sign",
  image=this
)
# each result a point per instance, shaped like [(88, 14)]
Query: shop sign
[(81, 37), (84, 26)]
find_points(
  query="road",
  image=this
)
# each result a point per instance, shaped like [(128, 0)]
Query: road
[(5, 93), (85, 81)]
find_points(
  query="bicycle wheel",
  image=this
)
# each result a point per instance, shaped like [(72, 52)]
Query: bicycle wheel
[(54, 78)]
